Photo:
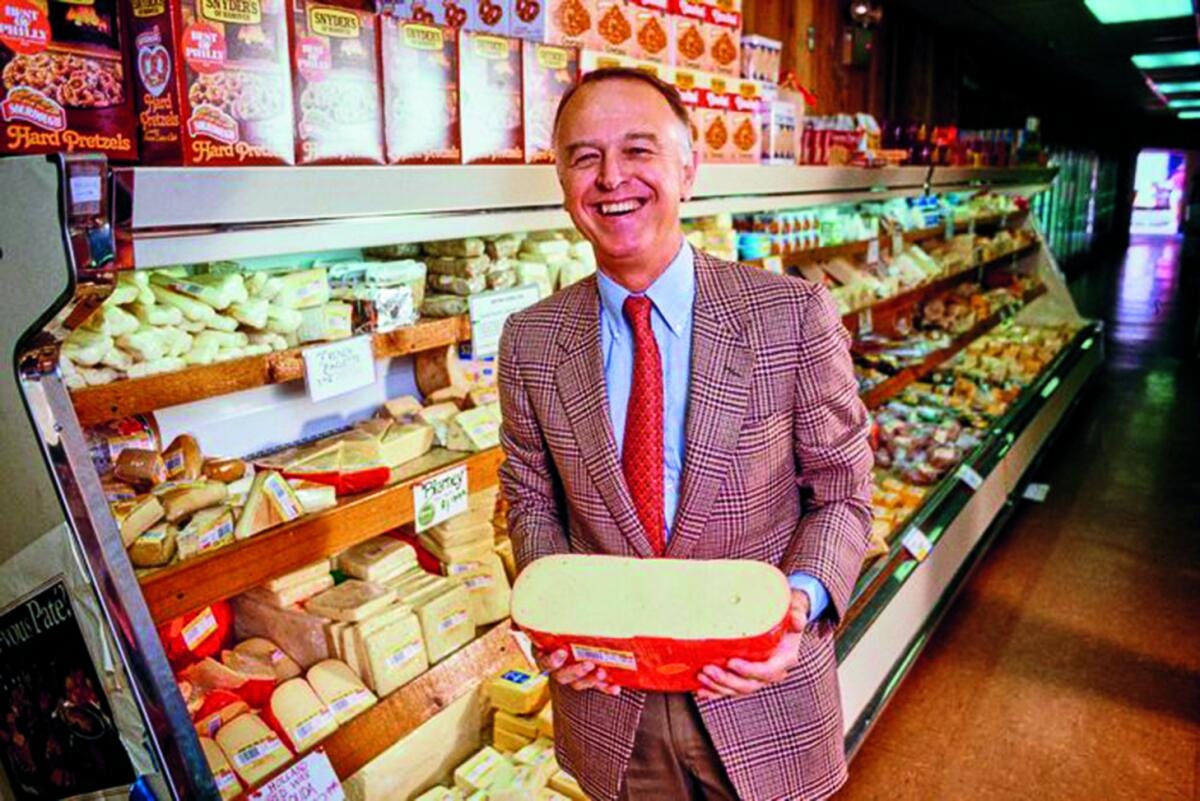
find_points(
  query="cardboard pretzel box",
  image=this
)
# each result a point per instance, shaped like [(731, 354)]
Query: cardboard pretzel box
[(548, 71), (420, 92), (489, 69)]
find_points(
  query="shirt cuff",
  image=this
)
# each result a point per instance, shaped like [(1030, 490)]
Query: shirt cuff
[(818, 596)]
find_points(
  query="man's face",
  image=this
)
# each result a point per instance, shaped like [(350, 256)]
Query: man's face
[(624, 170)]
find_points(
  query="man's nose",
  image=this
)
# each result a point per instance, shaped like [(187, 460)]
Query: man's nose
[(610, 175)]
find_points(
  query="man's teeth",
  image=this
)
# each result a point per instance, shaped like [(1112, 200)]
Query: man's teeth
[(623, 207)]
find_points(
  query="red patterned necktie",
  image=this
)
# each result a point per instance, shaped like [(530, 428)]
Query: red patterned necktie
[(642, 458)]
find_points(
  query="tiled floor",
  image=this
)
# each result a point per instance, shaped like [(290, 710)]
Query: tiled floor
[(1070, 666)]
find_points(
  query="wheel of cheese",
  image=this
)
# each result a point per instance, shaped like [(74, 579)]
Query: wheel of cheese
[(223, 775), (194, 636), (340, 689), (297, 713), (253, 750), (652, 624)]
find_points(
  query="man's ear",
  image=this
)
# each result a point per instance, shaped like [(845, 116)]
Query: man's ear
[(690, 166)]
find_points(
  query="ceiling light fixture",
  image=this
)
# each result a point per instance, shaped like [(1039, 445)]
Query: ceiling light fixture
[(1114, 11), (1162, 61), (1183, 103), (1177, 87), (1189, 115)]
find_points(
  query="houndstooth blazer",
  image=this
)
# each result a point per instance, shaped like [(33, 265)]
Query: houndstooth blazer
[(778, 469)]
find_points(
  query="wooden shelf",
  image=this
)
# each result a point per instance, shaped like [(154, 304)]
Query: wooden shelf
[(190, 585), (885, 391), (122, 398)]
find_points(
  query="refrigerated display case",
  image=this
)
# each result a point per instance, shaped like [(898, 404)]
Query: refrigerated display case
[(83, 224)]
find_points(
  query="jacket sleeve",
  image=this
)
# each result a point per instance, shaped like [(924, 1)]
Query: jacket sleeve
[(833, 458), (527, 477)]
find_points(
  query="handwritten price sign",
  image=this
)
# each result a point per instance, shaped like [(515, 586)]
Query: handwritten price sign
[(310, 779), (338, 368), (439, 498)]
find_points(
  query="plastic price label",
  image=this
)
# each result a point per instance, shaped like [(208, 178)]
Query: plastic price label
[(439, 498), (873, 251), (311, 779), (339, 367), (917, 544), (897, 243), (489, 310), (970, 476), (773, 264), (866, 321), (1036, 492)]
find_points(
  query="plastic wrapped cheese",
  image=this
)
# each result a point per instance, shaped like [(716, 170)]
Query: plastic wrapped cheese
[(351, 601), (340, 689), (300, 715), (439, 417), (300, 635), (519, 692), (155, 547), (207, 530), (377, 559), (391, 655), (253, 750), (444, 612), (652, 623), (456, 248), (303, 289), (268, 653), (226, 780), (189, 498), (490, 592), (136, 516), (473, 430)]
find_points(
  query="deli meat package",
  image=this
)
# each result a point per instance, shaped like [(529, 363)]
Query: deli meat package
[(213, 79), (490, 85), (63, 85), (652, 624), (420, 92), (335, 61)]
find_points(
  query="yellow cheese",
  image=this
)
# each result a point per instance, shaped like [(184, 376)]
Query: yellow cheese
[(253, 750), (444, 612), (476, 551), (527, 782), (294, 594), (548, 794), (519, 692), (545, 720), (403, 442), (490, 592), (208, 530), (343, 692), (154, 548), (313, 497), (326, 323), (351, 601), (378, 559), (268, 653), (404, 409), (184, 500), (183, 459), (539, 752), (135, 517), (300, 713), (301, 576), (438, 416), (473, 430), (260, 512), (393, 655), (524, 727), (449, 537), (504, 550), (507, 742), (440, 794), (281, 497), (566, 784), (226, 780), (302, 290), (487, 767)]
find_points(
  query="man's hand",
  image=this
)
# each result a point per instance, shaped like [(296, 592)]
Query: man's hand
[(740, 677), (579, 676)]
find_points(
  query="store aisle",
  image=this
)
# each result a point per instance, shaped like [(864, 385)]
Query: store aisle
[(1070, 666)]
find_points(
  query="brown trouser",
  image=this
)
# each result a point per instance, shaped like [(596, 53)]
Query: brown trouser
[(673, 757)]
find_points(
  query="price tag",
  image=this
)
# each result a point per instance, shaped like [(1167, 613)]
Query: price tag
[(439, 498), (866, 321), (310, 779), (85, 188), (489, 310), (970, 476), (949, 218), (1036, 492), (897, 243), (339, 367), (873, 251), (917, 544), (773, 264)]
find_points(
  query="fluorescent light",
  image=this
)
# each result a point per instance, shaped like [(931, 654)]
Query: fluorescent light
[(1184, 103), (1177, 87), (1189, 115), (1112, 11), (1161, 61)]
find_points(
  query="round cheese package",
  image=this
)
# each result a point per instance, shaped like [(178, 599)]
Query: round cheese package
[(652, 624)]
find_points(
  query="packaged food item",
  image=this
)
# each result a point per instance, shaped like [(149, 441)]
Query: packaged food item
[(340, 689), (702, 612), (651, 30), (614, 27), (689, 44), (140, 467), (723, 41), (779, 132), (567, 23), (63, 85), (251, 747), (715, 135), (300, 715), (155, 547), (188, 498), (487, 767), (136, 516), (223, 775), (426, 12), (335, 63), (265, 652), (377, 559), (300, 635), (761, 58), (352, 600), (490, 16), (208, 530), (420, 92), (443, 306), (226, 65), (519, 692), (745, 123), (490, 108), (548, 72), (692, 87)]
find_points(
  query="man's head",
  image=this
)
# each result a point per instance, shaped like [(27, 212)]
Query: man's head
[(625, 162)]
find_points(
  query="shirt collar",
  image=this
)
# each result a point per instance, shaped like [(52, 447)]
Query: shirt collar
[(672, 293)]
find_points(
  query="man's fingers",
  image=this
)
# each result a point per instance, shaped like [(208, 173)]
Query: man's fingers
[(594, 679), (728, 682), (551, 661), (573, 673), (767, 672)]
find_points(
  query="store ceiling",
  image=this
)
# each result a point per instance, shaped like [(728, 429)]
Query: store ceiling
[(1063, 41)]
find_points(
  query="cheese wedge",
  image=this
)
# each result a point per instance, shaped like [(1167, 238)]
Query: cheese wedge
[(669, 619), (519, 692), (525, 727), (404, 409), (485, 768), (154, 548), (473, 430), (340, 689), (267, 652), (300, 635), (270, 502), (378, 559), (207, 530), (301, 576), (403, 442), (226, 780), (351, 601), (136, 516), (183, 459), (305, 720), (507, 742), (539, 752), (565, 783), (393, 655), (490, 592), (292, 595), (184, 500), (313, 497), (253, 750), (439, 417), (444, 612), (139, 466)]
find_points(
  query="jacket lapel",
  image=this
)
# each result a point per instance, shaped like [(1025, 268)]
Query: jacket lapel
[(579, 378), (722, 363)]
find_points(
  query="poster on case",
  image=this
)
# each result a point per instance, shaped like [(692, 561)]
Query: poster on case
[(58, 737)]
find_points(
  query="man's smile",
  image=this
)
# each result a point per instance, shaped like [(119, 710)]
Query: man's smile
[(619, 208)]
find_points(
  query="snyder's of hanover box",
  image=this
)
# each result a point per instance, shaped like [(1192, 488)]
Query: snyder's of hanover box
[(489, 79), (420, 92), (548, 71)]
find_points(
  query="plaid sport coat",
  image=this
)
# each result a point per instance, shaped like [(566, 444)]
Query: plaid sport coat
[(778, 469)]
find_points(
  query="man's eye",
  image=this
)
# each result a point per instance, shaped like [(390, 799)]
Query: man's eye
[(639, 151), (584, 159)]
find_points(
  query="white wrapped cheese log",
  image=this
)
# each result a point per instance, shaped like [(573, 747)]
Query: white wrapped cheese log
[(96, 376), (221, 323), (251, 312), (154, 314), (223, 339), (273, 341), (192, 309), (86, 348), (147, 344), (282, 320), (165, 365), (139, 281), (112, 321)]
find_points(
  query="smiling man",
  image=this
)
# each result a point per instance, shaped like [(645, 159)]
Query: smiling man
[(679, 406)]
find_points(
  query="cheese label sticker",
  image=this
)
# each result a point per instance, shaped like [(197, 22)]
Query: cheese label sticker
[(199, 628), (459, 568), (225, 780), (311, 725), (256, 752), (917, 544), (624, 660), (215, 535), (283, 500), (480, 582), (175, 464), (350, 700), (456, 619), (483, 767), (970, 477), (404, 654), (155, 535), (276, 656), (187, 288), (517, 677), (213, 725)]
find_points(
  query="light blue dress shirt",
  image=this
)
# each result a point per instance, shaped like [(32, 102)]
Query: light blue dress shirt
[(672, 294)]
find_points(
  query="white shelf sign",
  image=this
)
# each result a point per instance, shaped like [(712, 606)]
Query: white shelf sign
[(1036, 492), (338, 368), (917, 544), (773, 264), (866, 322), (489, 310), (970, 476), (897, 242), (310, 779), (439, 498)]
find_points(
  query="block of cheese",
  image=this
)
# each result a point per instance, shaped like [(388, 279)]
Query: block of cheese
[(490, 592), (519, 692), (268, 653), (140, 467), (473, 430), (403, 409), (468, 552), (136, 516), (440, 794), (226, 780), (670, 618), (326, 323), (183, 459), (207, 530), (519, 725), (351, 601), (301, 715), (340, 689), (487, 767), (548, 794), (300, 635), (505, 741), (392, 655), (269, 502), (301, 576), (565, 783), (303, 289), (253, 750), (539, 752), (293, 594), (184, 500), (527, 781), (450, 536), (403, 442), (444, 611), (225, 470), (313, 497), (155, 547), (377, 559), (545, 720), (439, 417)]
